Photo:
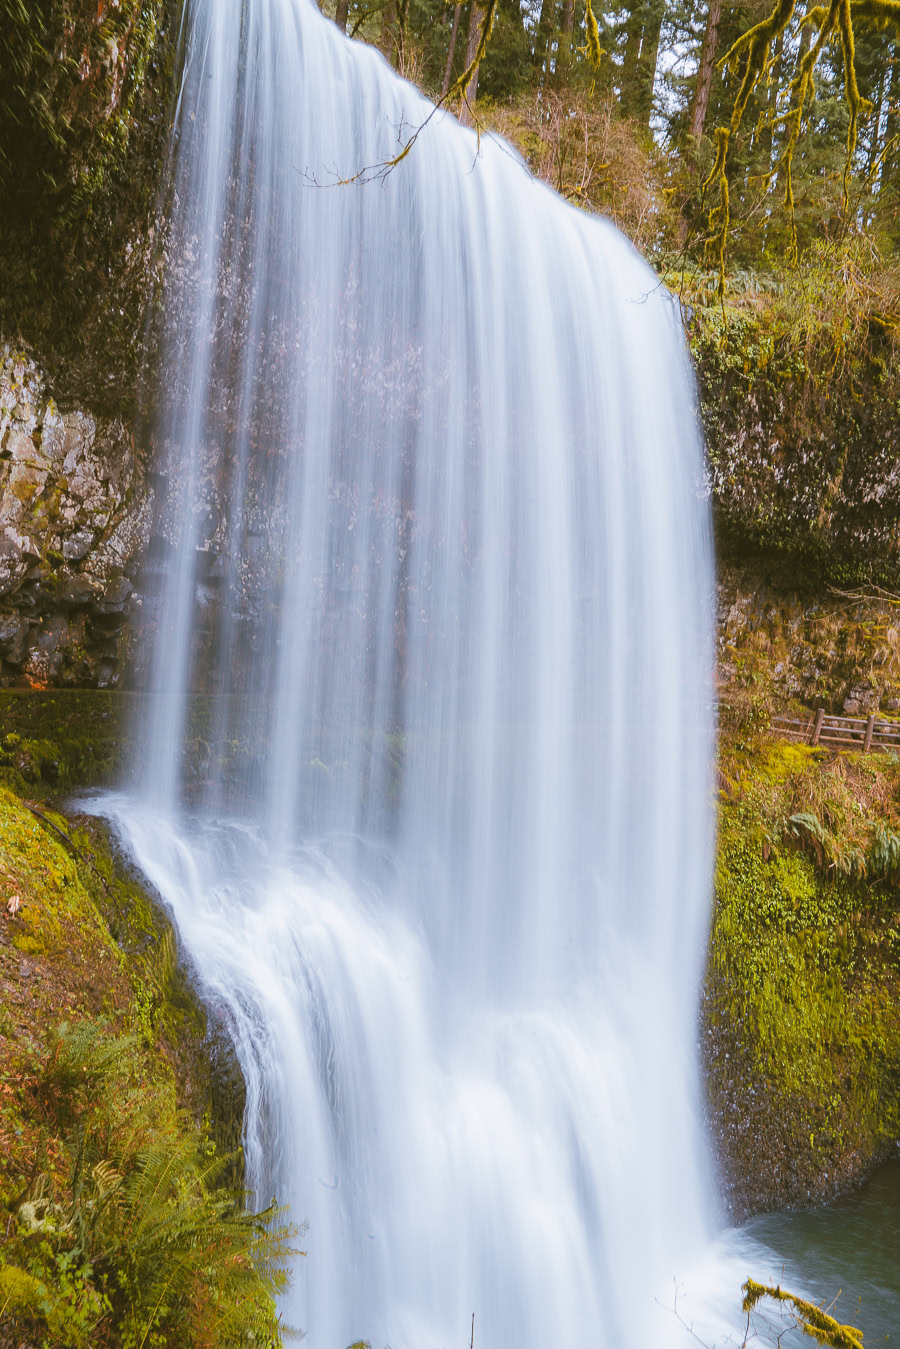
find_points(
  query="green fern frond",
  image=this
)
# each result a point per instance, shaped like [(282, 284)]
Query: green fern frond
[(167, 1252)]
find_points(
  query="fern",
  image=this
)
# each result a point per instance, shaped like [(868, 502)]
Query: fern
[(806, 830), (884, 854), (843, 856), (157, 1250)]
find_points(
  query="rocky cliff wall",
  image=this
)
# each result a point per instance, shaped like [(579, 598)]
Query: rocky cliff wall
[(85, 105), (75, 513), (802, 424), (837, 648)]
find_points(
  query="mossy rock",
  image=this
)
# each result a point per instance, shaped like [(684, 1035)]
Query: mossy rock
[(88, 940), (84, 119), (53, 743), (801, 1010)]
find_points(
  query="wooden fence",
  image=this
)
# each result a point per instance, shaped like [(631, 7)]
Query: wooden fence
[(860, 733)]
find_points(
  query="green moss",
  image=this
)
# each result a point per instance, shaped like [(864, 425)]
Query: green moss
[(799, 398), (83, 124), (108, 949), (47, 883), (782, 759), (55, 742), (802, 1005)]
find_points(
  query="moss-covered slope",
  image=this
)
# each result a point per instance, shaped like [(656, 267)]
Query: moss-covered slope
[(112, 1073), (801, 1015)]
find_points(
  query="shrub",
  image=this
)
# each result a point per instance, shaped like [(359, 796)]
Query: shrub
[(127, 1235)]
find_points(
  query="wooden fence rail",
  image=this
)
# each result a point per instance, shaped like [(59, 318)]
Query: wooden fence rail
[(860, 733)]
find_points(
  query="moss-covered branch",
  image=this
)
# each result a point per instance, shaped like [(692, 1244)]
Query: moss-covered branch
[(815, 1322), (836, 20)]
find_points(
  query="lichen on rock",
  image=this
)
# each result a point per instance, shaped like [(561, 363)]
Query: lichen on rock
[(75, 512)]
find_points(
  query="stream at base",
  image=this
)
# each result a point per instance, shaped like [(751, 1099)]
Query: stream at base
[(851, 1248), (842, 1256)]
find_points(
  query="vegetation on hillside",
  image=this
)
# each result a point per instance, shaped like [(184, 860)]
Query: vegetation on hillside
[(626, 109), (125, 1221), (754, 158)]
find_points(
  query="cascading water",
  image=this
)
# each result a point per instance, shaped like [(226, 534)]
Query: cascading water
[(436, 835)]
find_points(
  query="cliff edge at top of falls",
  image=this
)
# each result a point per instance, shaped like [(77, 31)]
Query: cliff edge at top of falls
[(799, 397)]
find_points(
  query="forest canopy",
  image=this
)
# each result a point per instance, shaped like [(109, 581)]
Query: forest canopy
[(719, 136)]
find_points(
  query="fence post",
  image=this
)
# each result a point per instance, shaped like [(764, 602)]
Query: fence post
[(870, 727), (817, 726)]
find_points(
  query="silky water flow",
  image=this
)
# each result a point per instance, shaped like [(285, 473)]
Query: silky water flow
[(426, 776)]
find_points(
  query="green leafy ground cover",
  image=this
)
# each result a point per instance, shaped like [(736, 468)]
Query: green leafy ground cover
[(120, 1189), (802, 1001)]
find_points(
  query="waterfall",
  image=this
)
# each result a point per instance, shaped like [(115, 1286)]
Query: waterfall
[(426, 775)]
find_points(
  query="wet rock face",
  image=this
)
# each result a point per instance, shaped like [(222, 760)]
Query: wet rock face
[(802, 459), (84, 121), (837, 649), (75, 512)]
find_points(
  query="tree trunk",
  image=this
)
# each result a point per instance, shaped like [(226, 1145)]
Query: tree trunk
[(875, 144), (645, 75), (341, 14), (633, 34), (891, 129), (767, 133), (564, 55), (568, 19), (454, 31), (700, 108), (476, 19), (389, 30), (700, 105), (544, 33)]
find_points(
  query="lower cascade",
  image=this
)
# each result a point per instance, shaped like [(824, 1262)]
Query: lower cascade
[(426, 778)]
